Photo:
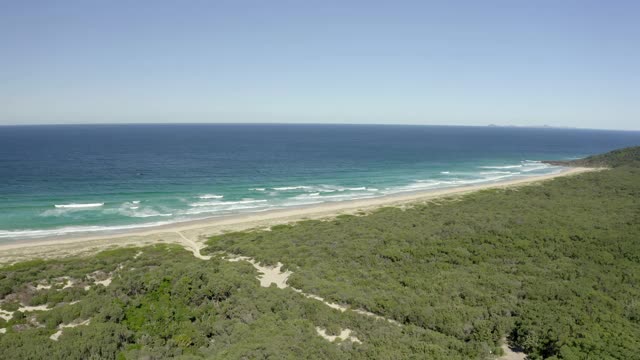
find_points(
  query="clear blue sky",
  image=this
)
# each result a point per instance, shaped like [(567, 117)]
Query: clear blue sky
[(557, 62)]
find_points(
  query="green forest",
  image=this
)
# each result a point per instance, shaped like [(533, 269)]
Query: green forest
[(554, 267)]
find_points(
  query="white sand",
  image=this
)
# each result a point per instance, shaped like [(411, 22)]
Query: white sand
[(367, 313), (344, 335), (105, 282), (6, 315), (268, 274), (511, 354), (94, 276), (69, 282), (61, 327), (191, 234), (192, 246), (339, 307), (34, 308), (65, 281)]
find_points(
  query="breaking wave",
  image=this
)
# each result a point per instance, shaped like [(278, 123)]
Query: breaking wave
[(77, 206)]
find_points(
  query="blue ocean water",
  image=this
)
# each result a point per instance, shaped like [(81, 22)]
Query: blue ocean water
[(69, 179)]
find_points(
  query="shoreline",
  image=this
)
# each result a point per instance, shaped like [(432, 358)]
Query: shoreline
[(191, 234)]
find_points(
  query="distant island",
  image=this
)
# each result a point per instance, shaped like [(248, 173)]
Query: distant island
[(545, 126), (544, 269)]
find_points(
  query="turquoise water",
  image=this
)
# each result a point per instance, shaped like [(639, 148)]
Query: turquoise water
[(57, 180)]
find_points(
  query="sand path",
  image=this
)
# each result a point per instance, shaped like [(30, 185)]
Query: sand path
[(193, 246), (511, 354), (268, 275), (61, 327)]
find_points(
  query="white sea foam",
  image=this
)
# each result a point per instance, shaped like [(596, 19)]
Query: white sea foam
[(210, 196), (338, 197), (300, 195), (535, 168), (134, 211), (323, 188), (429, 184), (29, 233), (498, 172), (150, 214), (287, 188), (224, 210), (341, 189), (78, 206), (226, 203), (501, 167), (524, 166)]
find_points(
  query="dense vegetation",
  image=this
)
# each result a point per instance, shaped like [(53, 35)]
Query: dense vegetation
[(555, 267), (622, 157), (164, 304)]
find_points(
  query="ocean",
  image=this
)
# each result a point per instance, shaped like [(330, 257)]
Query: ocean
[(72, 179)]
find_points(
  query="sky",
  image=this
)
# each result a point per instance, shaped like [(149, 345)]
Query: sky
[(513, 62)]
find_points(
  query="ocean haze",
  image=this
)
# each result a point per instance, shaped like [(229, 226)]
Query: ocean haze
[(78, 178), (566, 64)]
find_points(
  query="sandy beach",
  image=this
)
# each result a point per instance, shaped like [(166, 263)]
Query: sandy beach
[(192, 234)]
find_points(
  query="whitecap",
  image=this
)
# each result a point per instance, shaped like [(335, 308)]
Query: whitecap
[(497, 172), (149, 214), (287, 188), (78, 206), (222, 210), (210, 196), (29, 233), (501, 167), (309, 195), (225, 203), (128, 210)]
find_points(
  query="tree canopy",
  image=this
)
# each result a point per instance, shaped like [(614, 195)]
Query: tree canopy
[(554, 267)]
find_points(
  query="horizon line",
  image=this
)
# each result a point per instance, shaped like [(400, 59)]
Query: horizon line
[(330, 123)]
